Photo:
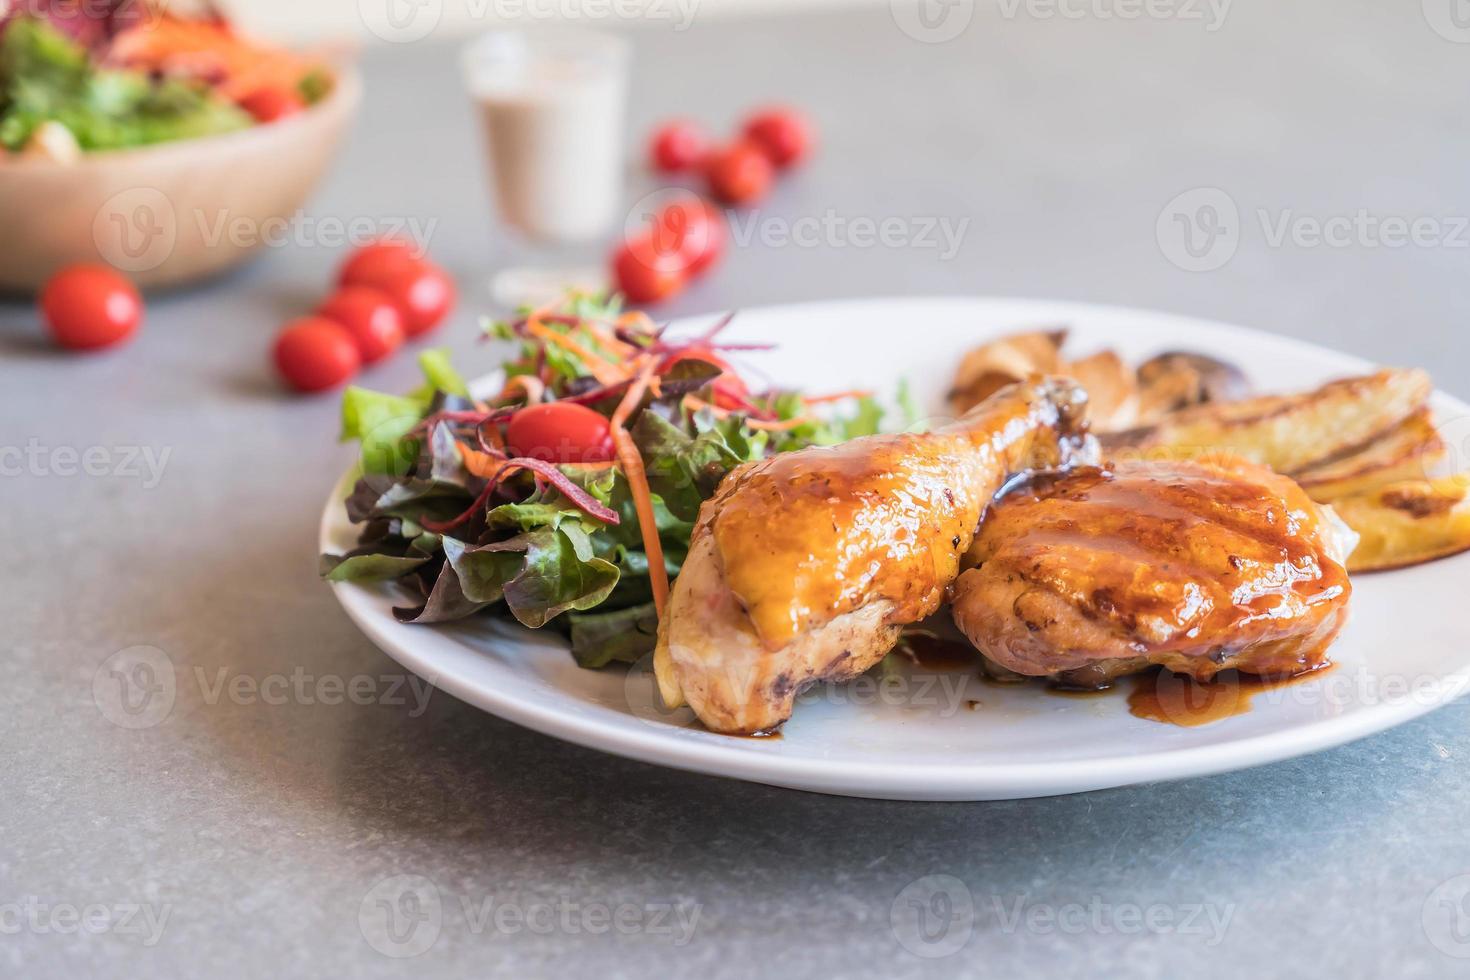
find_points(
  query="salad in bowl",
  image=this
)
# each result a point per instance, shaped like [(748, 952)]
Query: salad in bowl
[(116, 74)]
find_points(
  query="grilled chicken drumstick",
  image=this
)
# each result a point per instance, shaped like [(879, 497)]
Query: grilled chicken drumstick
[(806, 566)]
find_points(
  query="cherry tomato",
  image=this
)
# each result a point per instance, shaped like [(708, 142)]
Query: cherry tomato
[(315, 353), (678, 146), (695, 229), (739, 174), (370, 316), (731, 390), (784, 134), (272, 103), (560, 432), (645, 272), (90, 306), (372, 263), (423, 292)]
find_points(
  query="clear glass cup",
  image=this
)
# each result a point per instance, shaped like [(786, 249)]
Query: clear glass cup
[(552, 104)]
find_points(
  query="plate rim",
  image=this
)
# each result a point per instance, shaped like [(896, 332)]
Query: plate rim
[(919, 781)]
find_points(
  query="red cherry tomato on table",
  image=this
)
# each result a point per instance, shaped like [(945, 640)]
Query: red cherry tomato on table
[(739, 174), (678, 146), (373, 263), (370, 316), (90, 306), (560, 432), (646, 272), (783, 134), (315, 353), (731, 390), (272, 103), (423, 292), (695, 229)]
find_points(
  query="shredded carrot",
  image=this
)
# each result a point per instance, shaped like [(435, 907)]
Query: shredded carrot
[(478, 463), (637, 477), (605, 371), (766, 425), (836, 396), (236, 65), (636, 320), (534, 388), (607, 340)]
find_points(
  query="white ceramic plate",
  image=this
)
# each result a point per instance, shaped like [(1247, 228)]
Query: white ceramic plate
[(917, 736)]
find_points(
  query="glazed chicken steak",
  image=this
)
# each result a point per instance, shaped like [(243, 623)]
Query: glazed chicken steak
[(1196, 566)]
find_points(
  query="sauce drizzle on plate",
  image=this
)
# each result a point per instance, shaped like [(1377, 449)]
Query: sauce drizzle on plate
[(1177, 699)]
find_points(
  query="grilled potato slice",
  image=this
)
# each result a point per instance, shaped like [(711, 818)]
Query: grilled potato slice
[(1408, 523), (1291, 433), (990, 367), (1408, 452), (1112, 390)]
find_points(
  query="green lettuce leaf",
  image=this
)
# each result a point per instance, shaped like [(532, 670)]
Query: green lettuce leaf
[(623, 636)]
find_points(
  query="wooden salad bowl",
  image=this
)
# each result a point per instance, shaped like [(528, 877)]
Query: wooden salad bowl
[(171, 213)]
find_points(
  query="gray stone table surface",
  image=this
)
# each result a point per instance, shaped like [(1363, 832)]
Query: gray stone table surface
[(240, 837)]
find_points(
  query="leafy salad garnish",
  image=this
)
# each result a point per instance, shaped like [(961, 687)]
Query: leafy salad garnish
[(584, 544), (119, 74)]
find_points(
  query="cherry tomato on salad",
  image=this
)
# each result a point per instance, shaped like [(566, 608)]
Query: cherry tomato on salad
[(560, 432), (695, 229), (90, 306), (314, 353), (370, 316), (731, 390), (784, 134), (646, 271), (272, 103), (678, 146), (423, 292), (373, 263), (740, 173)]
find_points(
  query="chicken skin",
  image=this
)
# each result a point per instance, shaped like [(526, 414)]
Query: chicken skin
[(1197, 566), (807, 565)]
